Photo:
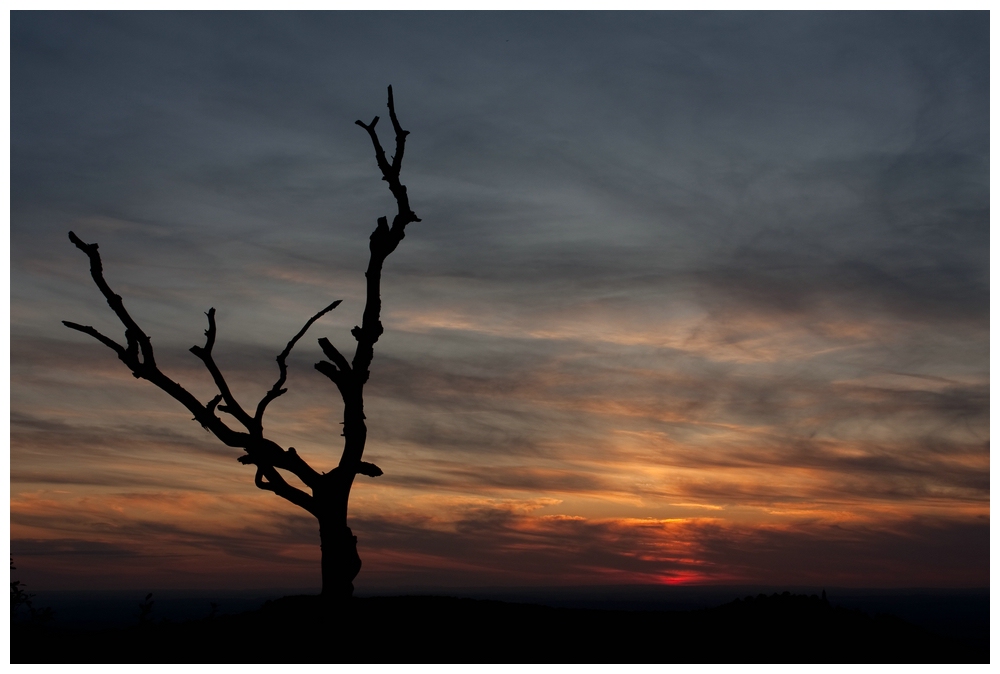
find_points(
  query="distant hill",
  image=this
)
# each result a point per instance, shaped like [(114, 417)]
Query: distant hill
[(776, 628)]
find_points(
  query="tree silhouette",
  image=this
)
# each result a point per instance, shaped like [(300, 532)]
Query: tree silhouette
[(331, 490)]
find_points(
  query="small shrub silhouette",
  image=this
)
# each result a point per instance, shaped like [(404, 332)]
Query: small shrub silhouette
[(19, 598), (145, 609)]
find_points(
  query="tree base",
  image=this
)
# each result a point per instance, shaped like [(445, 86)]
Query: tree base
[(340, 563)]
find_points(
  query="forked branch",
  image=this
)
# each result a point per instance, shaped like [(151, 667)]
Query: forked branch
[(350, 378), (204, 353), (146, 368), (264, 453), (132, 331), (390, 172)]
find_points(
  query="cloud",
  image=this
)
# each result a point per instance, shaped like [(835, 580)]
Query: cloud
[(730, 264), (159, 539), (499, 546)]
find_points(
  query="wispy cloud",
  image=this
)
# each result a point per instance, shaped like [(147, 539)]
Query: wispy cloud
[(695, 297)]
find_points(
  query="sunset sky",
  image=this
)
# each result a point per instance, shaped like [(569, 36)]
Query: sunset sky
[(695, 298)]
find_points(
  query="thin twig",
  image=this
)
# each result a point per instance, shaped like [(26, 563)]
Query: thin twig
[(205, 355), (276, 390)]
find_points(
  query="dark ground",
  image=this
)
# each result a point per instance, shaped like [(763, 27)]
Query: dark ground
[(777, 628)]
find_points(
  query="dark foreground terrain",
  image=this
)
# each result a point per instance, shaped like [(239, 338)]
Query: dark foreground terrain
[(776, 628)]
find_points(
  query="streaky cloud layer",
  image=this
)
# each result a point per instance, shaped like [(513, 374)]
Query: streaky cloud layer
[(696, 298)]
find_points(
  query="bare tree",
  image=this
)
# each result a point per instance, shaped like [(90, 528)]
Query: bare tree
[(331, 490)]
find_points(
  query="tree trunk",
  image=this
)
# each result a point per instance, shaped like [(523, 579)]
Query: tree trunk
[(340, 561)]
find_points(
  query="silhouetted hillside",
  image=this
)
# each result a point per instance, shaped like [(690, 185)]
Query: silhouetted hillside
[(776, 628)]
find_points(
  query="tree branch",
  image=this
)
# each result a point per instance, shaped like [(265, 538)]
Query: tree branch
[(260, 451), (276, 390), (390, 172), (369, 469), (265, 453), (115, 301), (205, 355), (397, 159), (331, 352), (382, 242), (275, 483), (339, 371), (351, 378), (106, 341), (136, 339), (379, 152)]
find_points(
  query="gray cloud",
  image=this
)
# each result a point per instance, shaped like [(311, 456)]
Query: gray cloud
[(761, 239)]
